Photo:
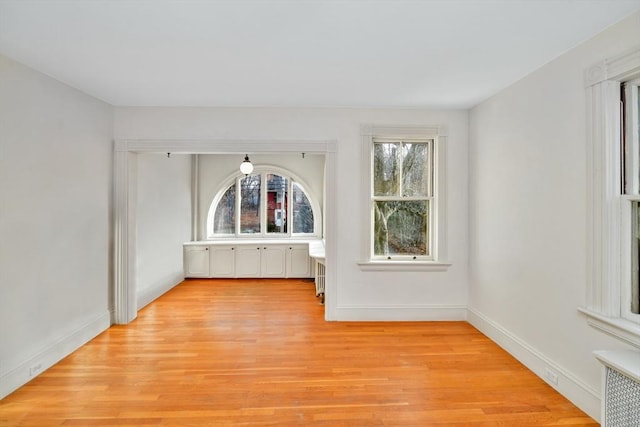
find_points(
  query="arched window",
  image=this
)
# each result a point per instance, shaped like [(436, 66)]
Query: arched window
[(267, 203)]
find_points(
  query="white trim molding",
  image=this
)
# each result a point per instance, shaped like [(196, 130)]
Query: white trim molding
[(403, 266), (618, 68), (402, 312), (603, 224), (400, 131), (605, 216), (125, 178), (226, 146), (617, 327), (125, 185), (156, 290), (569, 385), (49, 356)]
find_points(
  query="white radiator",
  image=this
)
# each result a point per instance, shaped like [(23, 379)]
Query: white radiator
[(316, 252), (620, 388), (320, 273)]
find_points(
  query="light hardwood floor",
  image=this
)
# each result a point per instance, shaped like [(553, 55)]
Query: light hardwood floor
[(258, 352)]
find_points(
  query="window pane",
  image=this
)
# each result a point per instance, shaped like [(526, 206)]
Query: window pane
[(224, 219), (277, 200), (400, 228), (302, 213), (415, 175), (385, 169), (250, 204)]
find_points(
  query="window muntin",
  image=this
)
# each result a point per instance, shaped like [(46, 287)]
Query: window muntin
[(265, 208), (402, 198)]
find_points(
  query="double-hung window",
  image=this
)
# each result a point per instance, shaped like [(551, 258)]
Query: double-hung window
[(613, 167), (404, 190)]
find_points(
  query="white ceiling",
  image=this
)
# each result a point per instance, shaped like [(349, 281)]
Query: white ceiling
[(354, 53)]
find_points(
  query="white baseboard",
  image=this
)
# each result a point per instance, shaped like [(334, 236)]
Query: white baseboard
[(34, 366), (405, 312), (579, 393), (155, 291)]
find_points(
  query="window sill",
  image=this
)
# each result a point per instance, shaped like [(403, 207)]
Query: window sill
[(403, 266), (623, 329)]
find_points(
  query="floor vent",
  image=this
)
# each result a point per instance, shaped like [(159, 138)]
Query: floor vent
[(621, 388)]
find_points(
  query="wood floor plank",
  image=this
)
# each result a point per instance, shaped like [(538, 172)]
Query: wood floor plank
[(258, 353)]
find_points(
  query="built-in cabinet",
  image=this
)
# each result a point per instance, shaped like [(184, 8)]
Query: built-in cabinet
[(298, 261), (273, 261), (221, 262), (247, 261), (204, 259), (196, 261)]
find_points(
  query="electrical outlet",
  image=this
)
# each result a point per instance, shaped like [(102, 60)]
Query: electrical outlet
[(35, 370), (551, 376)]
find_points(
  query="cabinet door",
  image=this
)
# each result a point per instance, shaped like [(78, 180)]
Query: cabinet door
[(248, 261), (273, 261), (298, 261), (196, 261), (223, 260)]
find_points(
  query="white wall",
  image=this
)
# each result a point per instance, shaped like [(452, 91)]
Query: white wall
[(55, 186), (163, 222), (528, 220), (214, 169), (362, 295)]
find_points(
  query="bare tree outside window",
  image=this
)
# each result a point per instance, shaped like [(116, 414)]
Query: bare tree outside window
[(250, 204), (284, 209), (415, 175), (225, 217), (402, 198), (385, 169), (401, 228), (302, 212)]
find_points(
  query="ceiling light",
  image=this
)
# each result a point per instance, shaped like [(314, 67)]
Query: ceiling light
[(246, 167)]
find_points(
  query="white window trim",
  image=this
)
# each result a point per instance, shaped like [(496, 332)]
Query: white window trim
[(439, 242), (124, 308), (605, 215)]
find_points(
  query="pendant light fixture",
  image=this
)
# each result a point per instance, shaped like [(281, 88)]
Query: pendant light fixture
[(246, 167)]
